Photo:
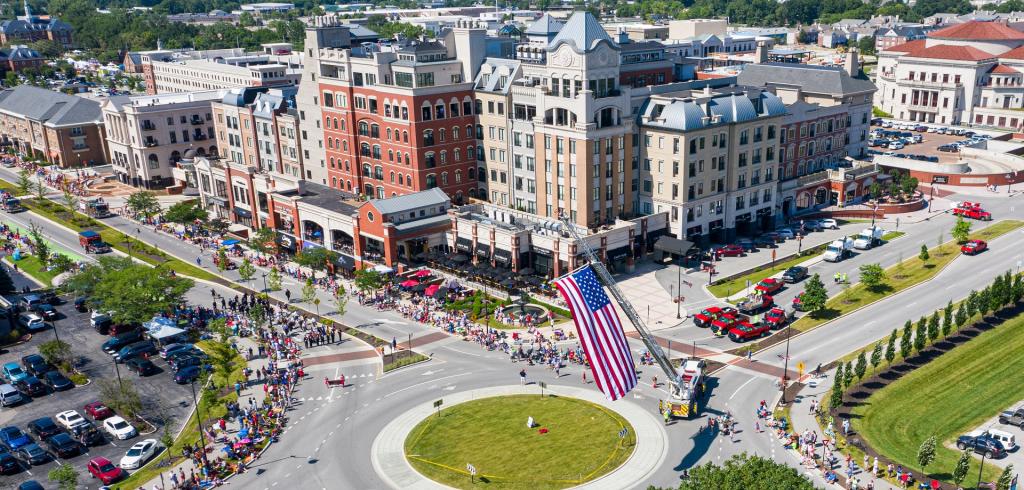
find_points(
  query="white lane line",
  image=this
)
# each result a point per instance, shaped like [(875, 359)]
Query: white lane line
[(744, 385), (425, 382), (460, 351)]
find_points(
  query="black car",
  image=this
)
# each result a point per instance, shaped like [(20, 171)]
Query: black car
[(981, 444), (64, 446), (88, 435), (138, 349), (57, 381), (43, 428), (140, 366), (31, 386), (8, 464), (45, 310), (118, 341), (31, 485), (186, 375), (183, 362), (794, 274), (174, 359), (764, 241), (49, 297), (35, 364), (32, 454), (748, 245), (81, 304)]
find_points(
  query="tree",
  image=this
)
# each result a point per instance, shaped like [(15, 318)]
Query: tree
[(743, 472), (961, 316), (962, 465), (6, 283), (308, 291), (890, 350), (926, 453), (222, 259), (815, 295), (316, 258), (340, 301), (947, 318), (39, 244), (876, 190), (972, 303), (143, 203), (961, 230), (861, 366), (1005, 478), (872, 275), (121, 396), (836, 398), (876, 356), (246, 271), (866, 45), (185, 212), (983, 302), (274, 280), (65, 476), (924, 254), (39, 187), (132, 293), (262, 240), (1018, 288), (369, 280), (921, 336), (56, 352), (24, 181), (933, 326), (847, 375), (71, 201), (905, 339), (258, 314)]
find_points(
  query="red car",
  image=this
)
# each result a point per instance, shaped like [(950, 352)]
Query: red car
[(775, 318), (98, 411), (725, 323), (973, 247), (743, 331), (708, 315), (732, 250), (103, 469), (798, 303), (769, 286)]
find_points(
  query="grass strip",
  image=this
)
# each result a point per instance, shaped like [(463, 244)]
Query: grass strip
[(892, 235), (728, 287), (29, 264)]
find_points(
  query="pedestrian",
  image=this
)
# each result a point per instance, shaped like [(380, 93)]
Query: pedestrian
[(654, 381), (846, 427), (199, 261), (668, 415), (757, 426), (750, 354), (584, 376), (522, 377), (288, 295)]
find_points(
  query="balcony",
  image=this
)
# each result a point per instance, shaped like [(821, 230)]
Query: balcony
[(922, 107), (196, 121), (929, 84), (813, 178), (199, 137), (151, 143), (148, 126)]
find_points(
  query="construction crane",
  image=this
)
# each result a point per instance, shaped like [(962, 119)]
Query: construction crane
[(684, 391)]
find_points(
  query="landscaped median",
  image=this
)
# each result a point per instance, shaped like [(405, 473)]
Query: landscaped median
[(727, 287)]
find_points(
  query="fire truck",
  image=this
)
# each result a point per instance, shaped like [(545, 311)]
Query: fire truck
[(972, 210)]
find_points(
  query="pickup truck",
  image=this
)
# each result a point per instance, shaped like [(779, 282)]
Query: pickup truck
[(755, 303), (769, 286), (775, 318), (972, 210), (798, 302), (743, 331), (1012, 417), (708, 315), (981, 443), (723, 324)]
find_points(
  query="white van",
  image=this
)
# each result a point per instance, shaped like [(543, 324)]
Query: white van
[(1009, 442), (9, 395)]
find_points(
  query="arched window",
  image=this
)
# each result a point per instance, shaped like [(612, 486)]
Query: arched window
[(440, 134), (405, 136), (401, 179), (347, 168), (439, 110), (479, 131), (455, 133), (457, 154), (444, 157), (391, 155), (380, 193), (405, 112), (458, 176), (368, 190), (364, 149), (366, 170), (332, 162), (472, 192), (392, 176), (374, 131), (376, 151), (364, 128), (428, 137), (378, 172), (336, 123), (330, 143), (472, 173), (334, 182), (444, 178), (469, 131), (389, 134), (431, 181), (426, 112), (348, 185), (344, 145), (430, 161), (407, 159)]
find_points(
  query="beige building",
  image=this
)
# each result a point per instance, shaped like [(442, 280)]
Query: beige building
[(147, 135), (173, 71), (494, 129), (709, 159), (694, 28)]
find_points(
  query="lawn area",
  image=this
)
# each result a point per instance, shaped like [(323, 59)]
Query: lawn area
[(30, 265), (899, 277), (732, 286), (10, 188), (582, 443), (946, 398), (892, 235)]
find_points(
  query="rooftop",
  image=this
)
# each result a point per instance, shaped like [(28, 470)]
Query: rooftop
[(583, 33), (810, 78), (54, 109), (325, 197), (407, 202), (920, 49), (979, 31)]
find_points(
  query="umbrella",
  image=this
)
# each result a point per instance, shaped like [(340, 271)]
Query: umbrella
[(422, 273), (409, 283), (431, 289), (244, 432), (246, 441)]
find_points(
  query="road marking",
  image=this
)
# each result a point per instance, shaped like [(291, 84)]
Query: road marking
[(460, 351), (425, 382), (741, 387), (869, 323), (911, 304), (951, 286)]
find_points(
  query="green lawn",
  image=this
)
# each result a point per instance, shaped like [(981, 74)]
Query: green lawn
[(892, 235), (732, 286), (946, 398), (899, 277), (491, 434), (30, 265)]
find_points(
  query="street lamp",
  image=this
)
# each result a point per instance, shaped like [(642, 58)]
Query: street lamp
[(785, 365), (199, 420), (679, 289), (53, 325), (264, 283), (980, 468)]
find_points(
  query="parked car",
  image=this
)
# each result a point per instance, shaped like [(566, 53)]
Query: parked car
[(13, 372), (748, 245), (134, 350), (28, 301), (138, 454), (35, 364), (764, 241), (794, 274), (105, 471), (1012, 417), (50, 298), (119, 341), (30, 485), (189, 361), (769, 286), (172, 348), (31, 386), (119, 428), (43, 428), (81, 304), (70, 419), (786, 233), (64, 446), (812, 225), (187, 375), (32, 454), (140, 366), (98, 411), (731, 250), (981, 443), (32, 322), (13, 438), (45, 310), (57, 381), (8, 464), (974, 247), (87, 435), (829, 223)]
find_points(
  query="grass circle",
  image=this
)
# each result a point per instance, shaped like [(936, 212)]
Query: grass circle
[(580, 443)]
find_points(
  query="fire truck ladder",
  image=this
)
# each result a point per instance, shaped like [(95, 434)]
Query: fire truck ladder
[(652, 346)]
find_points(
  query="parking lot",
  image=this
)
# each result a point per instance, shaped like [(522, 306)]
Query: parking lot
[(1015, 456), (162, 399), (929, 146)]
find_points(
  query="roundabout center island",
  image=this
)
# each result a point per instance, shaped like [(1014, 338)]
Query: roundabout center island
[(520, 441)]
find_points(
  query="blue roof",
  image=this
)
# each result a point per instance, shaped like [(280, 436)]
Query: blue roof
[(88, 233)]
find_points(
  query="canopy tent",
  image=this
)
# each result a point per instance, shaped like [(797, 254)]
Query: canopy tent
[(160, 329), (383, 269), (671, 245), (409, 283), (422, 273), (229, 242), (431, 289)]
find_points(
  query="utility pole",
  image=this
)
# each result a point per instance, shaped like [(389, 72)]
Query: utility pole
[(199, 420), (785, 368)]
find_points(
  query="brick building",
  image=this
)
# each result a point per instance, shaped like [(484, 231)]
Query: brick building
[(62, 129)]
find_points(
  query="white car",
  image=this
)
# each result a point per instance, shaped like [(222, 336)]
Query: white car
[(896, 145), (32, 322), (138, 454), (830, 224), (70, 419), (119, 428)]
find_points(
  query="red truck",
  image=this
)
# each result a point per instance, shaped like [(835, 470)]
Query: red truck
[(974, 247), (775, 318), (972, 210), (798, 303), (723, 324), (769, 286), (92, 242), (755, 303), (743, 331), (708, 315)]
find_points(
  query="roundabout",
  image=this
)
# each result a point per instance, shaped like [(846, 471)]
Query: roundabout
[(574, 442)]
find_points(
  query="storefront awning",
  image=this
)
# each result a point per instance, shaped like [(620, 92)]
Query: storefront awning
[(503, 256), (242, 213), (673, 245), (618, 253), (483, 250), (464, 245)]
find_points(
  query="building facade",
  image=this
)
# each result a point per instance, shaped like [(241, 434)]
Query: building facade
[(62, 129)]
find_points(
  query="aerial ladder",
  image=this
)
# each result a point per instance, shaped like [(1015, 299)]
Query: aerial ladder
[(686, 389)]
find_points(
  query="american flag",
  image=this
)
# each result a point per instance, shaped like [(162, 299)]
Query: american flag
[(600, 332)]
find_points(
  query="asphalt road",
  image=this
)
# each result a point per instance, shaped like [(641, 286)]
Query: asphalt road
[(330, 433)]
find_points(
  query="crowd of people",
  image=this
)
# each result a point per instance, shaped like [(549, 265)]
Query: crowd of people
[(75, 181)]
